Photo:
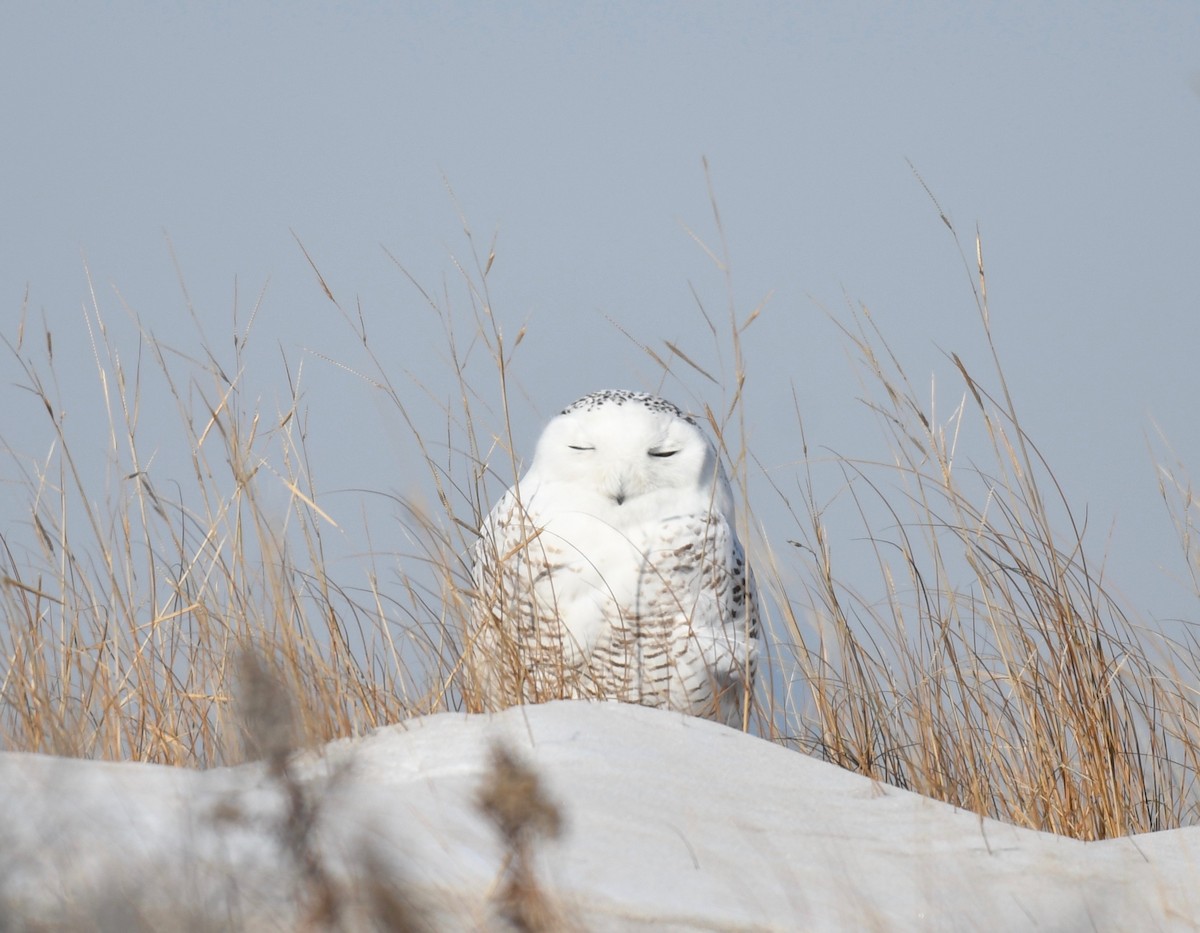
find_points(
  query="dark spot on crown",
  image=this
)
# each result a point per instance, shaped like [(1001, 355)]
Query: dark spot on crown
[(625, 397)]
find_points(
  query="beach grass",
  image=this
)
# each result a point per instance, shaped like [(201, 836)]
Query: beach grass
[(997, 672)]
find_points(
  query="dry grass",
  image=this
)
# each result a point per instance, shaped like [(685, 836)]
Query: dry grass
[(130, 601), (514, 801), (997, 673)]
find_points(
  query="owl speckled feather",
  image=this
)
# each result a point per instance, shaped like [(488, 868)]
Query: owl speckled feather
[(613, 570)]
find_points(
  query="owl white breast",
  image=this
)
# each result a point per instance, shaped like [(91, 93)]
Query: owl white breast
[(612, 569)]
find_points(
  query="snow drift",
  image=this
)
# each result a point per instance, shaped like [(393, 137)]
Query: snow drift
[(668, 822)]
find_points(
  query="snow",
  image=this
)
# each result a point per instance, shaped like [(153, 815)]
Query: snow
[(670, 823)]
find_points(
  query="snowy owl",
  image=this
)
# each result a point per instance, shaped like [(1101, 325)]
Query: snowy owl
[(612, 569)]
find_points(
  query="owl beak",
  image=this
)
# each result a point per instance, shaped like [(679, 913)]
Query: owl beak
[(624, 484)]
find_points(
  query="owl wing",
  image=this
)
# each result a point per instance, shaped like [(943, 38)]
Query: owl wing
[(538, 607), (699, 593)]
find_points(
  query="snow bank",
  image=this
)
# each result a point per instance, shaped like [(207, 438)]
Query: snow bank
[(669, 823)]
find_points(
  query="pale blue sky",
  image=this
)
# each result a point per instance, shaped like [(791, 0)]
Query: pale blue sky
[(1069, 133)]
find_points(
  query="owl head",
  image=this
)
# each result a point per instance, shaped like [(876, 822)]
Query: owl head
[(627, 449)]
